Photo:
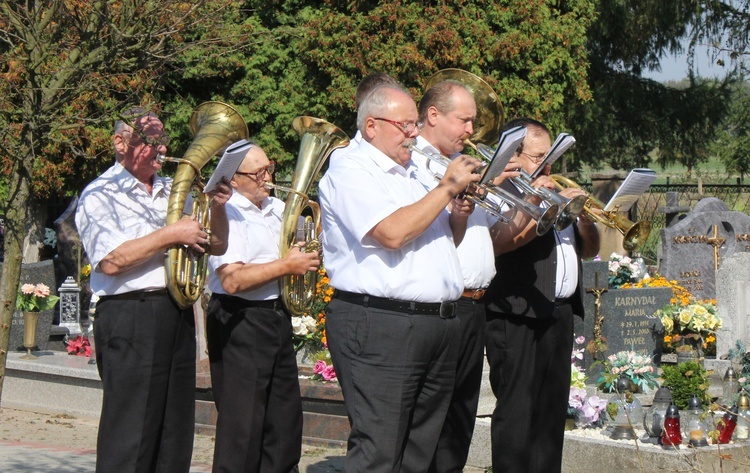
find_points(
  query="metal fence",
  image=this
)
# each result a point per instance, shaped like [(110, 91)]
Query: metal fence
[(651, 206)]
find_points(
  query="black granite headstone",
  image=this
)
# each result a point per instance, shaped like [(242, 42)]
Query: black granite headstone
[(34, 273), (628, 321), (692, 247)]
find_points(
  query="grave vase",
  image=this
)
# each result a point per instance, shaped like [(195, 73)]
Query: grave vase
[(690, 349), (30, 321)]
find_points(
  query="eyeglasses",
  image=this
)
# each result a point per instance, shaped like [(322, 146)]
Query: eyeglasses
[(258, 175), (535, 159), (406, 127), (161, 140)]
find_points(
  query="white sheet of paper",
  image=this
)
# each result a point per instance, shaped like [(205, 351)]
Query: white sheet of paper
[(561, 145), (228, 165), (631, 189), (506, 148)]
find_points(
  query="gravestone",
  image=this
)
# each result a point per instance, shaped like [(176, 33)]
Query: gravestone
[(34, 273), (733, 302), (627, 317), (693, 247)]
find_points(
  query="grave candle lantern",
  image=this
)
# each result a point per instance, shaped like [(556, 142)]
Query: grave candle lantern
[(654, 415)]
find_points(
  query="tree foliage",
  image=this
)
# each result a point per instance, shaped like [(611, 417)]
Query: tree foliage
[(67, 68)]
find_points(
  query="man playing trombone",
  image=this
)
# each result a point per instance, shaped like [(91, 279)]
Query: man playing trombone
[(390, 252), (530, 307)]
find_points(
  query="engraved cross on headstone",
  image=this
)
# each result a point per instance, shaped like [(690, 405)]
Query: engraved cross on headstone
[(716, 241)]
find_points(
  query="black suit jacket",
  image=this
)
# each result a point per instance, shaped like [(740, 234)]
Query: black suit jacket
[(525, 281)]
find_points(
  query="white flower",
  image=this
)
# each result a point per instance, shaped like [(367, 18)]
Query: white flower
[(309, 323), (298, 327)]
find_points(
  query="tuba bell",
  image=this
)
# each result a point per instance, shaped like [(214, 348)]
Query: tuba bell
[(215, 126), (318, 139), (634, 234)]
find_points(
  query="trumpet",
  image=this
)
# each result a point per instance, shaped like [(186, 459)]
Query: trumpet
[(568, 209), (478, 194), (634, 234)]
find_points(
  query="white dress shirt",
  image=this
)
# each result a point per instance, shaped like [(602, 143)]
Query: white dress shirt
[(254, 237), (361, 189), (475, 252), (566, 279), (338, 152), (116, 208)]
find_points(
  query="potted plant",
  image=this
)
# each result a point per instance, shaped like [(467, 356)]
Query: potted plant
[(32, 299), (685, 379), (583, 410), (624, 270), (691, 327)]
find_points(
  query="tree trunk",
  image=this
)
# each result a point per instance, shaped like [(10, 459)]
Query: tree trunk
[(15, 231)]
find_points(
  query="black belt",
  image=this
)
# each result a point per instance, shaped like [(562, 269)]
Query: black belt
[(273, 304), (135, 296), (560, 302), (446, 310)]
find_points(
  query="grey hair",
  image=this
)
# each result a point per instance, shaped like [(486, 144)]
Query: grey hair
[(376, 103)]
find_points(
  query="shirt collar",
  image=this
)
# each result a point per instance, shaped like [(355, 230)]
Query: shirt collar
[(385, 163)]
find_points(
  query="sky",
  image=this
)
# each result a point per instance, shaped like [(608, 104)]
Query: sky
[(675, 67)]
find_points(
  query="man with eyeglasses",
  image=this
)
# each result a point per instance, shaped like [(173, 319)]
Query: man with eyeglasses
[(145, 349), (389, 243), (448, 111), (253, 363), (530, 307)]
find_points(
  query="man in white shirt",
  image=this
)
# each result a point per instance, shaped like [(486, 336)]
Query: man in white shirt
[(145, 342), (253, 364), (448, 112), (389, 244)]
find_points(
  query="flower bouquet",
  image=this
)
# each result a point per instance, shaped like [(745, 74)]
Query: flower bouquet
[(690, 327), (35, 298), (583, 408), (310, 329), (322, 371), (635, 366), (623, 269)]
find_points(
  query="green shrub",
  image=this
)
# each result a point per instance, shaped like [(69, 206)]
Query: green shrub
[(685, 379)]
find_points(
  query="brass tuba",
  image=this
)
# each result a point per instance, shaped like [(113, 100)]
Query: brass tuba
[(634, 234), (318, 139), (215, 126)]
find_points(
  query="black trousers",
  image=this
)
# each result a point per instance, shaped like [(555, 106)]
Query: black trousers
[(396, 373), (455, 438), (256, 388), (145, 353), (530, 375)]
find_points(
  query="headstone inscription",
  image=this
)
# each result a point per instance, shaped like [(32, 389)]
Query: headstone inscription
[(626, 317), (694, 247), (34, 273)]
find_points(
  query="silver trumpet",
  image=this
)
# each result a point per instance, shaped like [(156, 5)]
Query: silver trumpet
[(568, 209), (478, 194)]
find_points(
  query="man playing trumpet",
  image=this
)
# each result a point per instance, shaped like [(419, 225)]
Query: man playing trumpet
[(390, 252)]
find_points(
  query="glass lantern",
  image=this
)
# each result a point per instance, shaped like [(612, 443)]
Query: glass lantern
[(742, 431), (653, 418), (625, 411), (695, 427), (729, 387)]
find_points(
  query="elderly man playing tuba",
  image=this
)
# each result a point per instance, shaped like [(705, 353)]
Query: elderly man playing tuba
[(389, 243), (145, 348), (253, 364)]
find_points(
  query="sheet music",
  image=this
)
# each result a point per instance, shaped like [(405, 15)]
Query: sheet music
[(631, 189), (229, 163), (561, 145), (506, 148)]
